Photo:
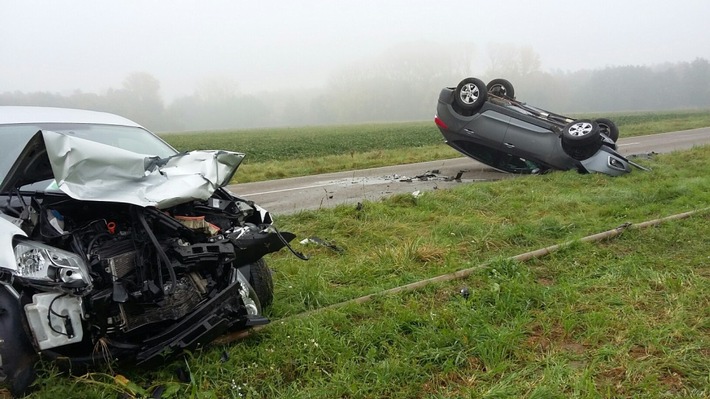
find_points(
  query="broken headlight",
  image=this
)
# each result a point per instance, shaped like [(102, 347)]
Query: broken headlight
[(249, 297), (46, 265)]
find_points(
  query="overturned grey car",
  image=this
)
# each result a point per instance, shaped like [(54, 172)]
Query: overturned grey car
[(115, 246), (487, 123)]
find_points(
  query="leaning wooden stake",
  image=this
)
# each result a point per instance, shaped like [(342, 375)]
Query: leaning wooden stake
[(462, 274)]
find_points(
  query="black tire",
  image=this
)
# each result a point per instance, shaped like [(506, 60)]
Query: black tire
[(470, 94), (608, 128), (501, 87), (262, 282), (582, 153), (16, 352), (581, 133)]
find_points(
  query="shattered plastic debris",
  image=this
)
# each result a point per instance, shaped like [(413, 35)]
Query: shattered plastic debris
[(429, 176), (320, 241), (648, 155), (432, 175)]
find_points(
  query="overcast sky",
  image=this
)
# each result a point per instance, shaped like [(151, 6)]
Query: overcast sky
[(92, 45)]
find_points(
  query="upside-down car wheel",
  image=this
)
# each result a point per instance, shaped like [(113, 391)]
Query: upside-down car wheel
[(470, 94), (501, 87), (608, 128), (581, 133)]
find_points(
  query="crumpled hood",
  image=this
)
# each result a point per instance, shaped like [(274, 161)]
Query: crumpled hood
[(91, 171)]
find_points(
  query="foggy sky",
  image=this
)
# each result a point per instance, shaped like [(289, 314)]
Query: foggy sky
[(92, 45)]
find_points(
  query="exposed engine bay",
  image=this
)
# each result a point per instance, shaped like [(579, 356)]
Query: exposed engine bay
[(152, 280), (115, 247)]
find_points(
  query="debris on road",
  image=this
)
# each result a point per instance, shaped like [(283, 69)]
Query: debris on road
[(322, 242)]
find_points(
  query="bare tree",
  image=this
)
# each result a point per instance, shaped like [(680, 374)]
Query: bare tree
[(513, 61)]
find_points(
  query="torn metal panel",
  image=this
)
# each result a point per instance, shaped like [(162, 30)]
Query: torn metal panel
[(92, 171)]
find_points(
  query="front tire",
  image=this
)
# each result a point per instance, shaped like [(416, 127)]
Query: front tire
[(470, 94), (261, 280), (581, 133), (582, 153), (17, 356)]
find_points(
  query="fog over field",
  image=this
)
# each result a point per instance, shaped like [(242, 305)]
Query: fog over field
[(175, 65)]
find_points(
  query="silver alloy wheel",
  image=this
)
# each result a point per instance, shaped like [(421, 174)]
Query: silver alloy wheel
[(580, 129), (469, 93)]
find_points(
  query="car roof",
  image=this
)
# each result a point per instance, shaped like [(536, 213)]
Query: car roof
[(10, 115)]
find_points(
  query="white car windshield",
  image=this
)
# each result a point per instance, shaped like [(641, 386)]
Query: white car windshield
[(14, 138)]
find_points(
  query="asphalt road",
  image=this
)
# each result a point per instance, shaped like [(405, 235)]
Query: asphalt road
[(331, 189)]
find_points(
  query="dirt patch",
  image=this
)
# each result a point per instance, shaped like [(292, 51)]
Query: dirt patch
[(452, 382), (673, 381), (638, 352), (613, 378), (545, 282), (573, 347)]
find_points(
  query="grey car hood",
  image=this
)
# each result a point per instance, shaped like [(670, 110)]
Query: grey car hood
[(91, 171)]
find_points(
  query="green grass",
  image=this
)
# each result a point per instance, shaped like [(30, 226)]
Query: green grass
[(290, 152), (643, 123), (279, 144), (628, 317)]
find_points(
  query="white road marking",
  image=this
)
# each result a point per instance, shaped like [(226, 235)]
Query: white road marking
[(287, 189)]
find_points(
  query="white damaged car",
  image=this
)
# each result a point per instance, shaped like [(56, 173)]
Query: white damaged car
[(115, 246)]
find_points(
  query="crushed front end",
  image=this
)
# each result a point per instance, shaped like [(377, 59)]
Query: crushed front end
[(134, 275)]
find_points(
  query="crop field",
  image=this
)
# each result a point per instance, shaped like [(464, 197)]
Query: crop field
[(289, 152), (262, 145), (624, 317)]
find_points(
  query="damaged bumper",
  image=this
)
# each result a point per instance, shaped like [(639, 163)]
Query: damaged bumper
[(217, 316)]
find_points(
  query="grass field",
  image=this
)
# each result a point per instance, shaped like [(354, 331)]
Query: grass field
[(628, 317), (289, 152)]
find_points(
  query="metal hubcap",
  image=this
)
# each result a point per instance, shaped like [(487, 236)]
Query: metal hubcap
[(469, 93), (580, 129)]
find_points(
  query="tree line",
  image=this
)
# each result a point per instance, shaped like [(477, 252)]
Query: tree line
[(401, 85)]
